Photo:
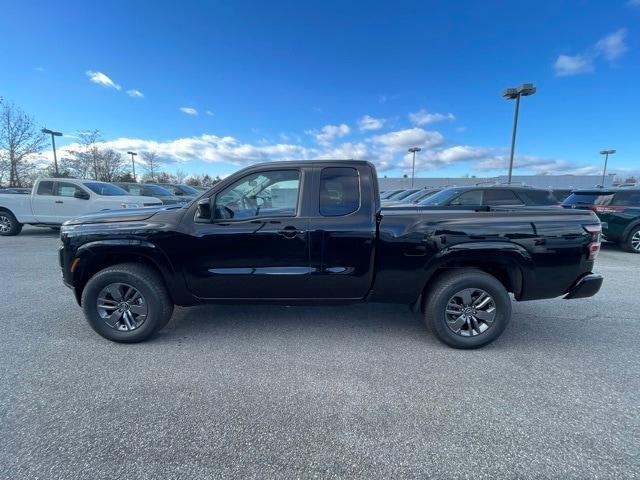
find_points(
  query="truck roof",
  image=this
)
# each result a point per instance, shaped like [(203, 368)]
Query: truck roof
[(317, 162)]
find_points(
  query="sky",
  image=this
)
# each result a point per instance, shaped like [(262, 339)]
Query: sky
[(213, 86)]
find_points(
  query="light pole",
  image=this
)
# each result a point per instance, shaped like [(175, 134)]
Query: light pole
[(523, 90), (53, 134), (413, 167), (606, 154), (133, 163)]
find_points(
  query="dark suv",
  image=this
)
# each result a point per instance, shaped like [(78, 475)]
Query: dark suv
[(618, 210), (495, 196)]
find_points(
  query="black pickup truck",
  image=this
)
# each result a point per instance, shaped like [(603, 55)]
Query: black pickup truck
[(314, 231)]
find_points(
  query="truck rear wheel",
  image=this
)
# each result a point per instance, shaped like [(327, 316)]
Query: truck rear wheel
[(9, 225), (467, 308), (126, 303)]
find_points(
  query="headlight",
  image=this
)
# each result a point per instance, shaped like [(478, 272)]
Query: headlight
[(129, 205)]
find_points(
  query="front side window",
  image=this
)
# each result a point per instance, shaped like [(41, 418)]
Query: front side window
[(66, 189), (339, 191), (627, 199), (45, 188), (472, 197), (263, 194), (500, 196)]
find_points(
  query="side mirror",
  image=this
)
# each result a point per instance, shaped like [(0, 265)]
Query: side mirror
[(204, 209), (81, 194)]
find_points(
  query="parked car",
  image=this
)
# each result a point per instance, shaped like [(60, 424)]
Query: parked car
[(53, 201), (181, 190), (561, 193), (494, 196), (414, 198), (149, 190), (389, 193), (618, 210), (289, 232), (16, 190), (401, 195)]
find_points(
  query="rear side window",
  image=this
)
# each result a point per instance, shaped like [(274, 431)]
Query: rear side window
[(588, 198), (627, 199), (45, 188), (339, 191), (539, 197), (500, 196)]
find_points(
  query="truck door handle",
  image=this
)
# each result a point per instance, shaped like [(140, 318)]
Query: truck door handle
[(59, 201), (290, 232)]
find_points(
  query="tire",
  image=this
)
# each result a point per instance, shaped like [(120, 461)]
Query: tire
[(9, 225), (475, 332), (631, 243), (154, 300)]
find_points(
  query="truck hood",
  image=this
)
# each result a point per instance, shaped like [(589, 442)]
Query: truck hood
[(120, 215), (137, 200)]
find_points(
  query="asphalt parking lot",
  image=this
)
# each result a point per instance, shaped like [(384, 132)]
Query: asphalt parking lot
[(357, 391)]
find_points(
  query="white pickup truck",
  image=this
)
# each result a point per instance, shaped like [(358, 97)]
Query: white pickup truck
[(56, 200)]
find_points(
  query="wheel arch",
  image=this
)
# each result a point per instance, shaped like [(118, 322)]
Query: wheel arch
[(95, 256), (508, 263)]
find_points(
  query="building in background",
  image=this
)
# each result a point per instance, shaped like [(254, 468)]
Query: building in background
[(543, 181)]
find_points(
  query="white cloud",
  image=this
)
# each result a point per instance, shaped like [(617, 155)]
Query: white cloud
[(370, 123), (633, 3), (135, 93), (352, 151), (39, 69), (612, 46), (189, 110), (422, 117), (102, 79), (209, 113), (566, 65), (328, 133), (609, 48), (411, 137)]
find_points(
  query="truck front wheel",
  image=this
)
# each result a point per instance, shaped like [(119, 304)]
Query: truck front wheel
[(632, 244), (126, 303), (467, 308), (9, 225)]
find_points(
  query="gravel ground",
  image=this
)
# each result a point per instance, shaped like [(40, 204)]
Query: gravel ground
[(351, 391)]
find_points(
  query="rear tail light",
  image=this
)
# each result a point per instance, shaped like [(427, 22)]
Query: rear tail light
[(594, 246), (607, 209)]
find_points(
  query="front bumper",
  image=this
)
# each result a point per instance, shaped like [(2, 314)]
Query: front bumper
[(587, 286)]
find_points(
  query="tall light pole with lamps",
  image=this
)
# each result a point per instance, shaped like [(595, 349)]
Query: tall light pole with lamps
[(133, 163), (515, 93), (413, 167), (606, 154), (53, 134)]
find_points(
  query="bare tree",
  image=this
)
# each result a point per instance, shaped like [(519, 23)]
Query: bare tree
[(84, 162), (111, 165), (20, 139), (151, 164), (180, 176)]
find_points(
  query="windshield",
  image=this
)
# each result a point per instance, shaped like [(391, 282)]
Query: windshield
[(441, 198), (403, 195), (156, 190), (416, 197), (188, 189), (588, 198), (106, 189)]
